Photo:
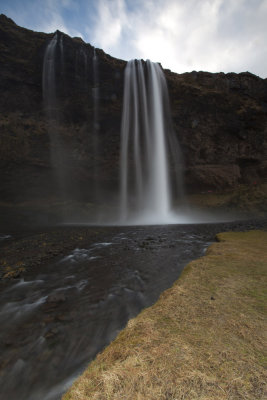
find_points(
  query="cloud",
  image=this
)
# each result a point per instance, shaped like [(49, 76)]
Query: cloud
[(45, 16), (110, 20), (50, 19), (213, 35)]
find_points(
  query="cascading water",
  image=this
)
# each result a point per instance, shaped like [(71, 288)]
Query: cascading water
[(95, 95), (49, 78), (81, 66), (150, 173), (61, 53), (148, 148), (95, 90), (54, 52)]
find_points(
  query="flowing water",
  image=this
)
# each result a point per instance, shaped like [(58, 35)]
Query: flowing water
[(95, 92), (53, 66), (49, 73), (96, 152), (56, 319), (148, 147)]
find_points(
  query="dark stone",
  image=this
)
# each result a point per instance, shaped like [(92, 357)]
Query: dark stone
[(56, 298), (51, 333)]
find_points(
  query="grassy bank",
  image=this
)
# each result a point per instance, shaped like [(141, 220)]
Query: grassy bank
[(203, 339)]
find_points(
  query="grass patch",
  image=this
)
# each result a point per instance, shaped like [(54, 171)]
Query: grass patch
[(203, 340)]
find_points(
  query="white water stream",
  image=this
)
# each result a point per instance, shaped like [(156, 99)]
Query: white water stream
[(145, 185)]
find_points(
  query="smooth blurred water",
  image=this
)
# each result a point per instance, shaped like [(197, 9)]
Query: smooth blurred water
[(148, 147)]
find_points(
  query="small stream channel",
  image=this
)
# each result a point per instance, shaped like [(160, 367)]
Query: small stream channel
[(57, 317)]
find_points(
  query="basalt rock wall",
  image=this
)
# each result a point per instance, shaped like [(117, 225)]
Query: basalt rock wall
[(220, 120)]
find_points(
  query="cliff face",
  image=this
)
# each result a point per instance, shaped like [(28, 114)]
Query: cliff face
[(219, 119), (221, 122)]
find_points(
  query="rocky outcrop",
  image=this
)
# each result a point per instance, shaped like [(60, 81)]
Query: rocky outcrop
[(219, 119)]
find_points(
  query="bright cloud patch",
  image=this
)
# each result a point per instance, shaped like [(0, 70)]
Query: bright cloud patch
[(210, 35)]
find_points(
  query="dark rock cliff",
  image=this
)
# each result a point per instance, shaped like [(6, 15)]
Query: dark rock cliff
[(220, 121)]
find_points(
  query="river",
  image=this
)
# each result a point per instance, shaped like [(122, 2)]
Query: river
[(61, 312)]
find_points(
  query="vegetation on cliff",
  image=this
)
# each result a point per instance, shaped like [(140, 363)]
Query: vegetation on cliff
[(204, 338)]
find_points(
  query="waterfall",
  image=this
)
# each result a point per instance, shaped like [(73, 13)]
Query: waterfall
[(49, 74), (95, 90), (81, 66), (54, 60), (95, 96), (148, 147)]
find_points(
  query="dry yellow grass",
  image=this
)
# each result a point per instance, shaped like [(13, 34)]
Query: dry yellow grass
[(204, 339)]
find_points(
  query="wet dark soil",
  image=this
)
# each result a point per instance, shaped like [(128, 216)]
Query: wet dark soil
[(66, 291)]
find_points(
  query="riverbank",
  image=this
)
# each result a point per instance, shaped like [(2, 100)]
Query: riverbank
[(203, 339)]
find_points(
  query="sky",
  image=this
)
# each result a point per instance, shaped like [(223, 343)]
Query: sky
[(183, 35)]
